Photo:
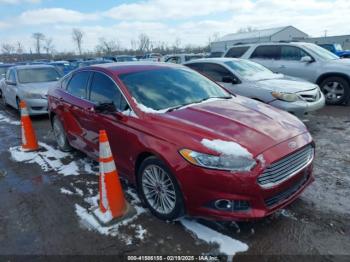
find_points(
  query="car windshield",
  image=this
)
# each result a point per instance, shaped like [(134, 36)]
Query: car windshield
[(37, 75), (338, 47), (171, 87), (321, 52), (250, 70)]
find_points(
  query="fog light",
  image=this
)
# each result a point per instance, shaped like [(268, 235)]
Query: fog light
[(223, 204), (229, 205)]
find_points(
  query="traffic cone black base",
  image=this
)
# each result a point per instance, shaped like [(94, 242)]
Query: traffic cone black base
[(108, 220)]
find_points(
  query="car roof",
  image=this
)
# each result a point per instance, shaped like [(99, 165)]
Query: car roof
[(6, 65), (130, 67), (213, 60), (270, 43), (33, 66)]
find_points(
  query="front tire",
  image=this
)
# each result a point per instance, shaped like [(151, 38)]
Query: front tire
[(159, 189), (60, 135), (336, 90)]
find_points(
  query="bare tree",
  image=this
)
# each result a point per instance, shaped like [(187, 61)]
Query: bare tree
[(7, 48), (77, 36), (246, 29), (108, 47), (133, 44), (38, 37), (176, 45), (144, 43), (48, 46), (19, 48)]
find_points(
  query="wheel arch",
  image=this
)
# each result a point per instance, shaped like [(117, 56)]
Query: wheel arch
[(322, 77)]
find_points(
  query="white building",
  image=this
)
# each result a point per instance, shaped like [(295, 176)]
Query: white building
[(286, 33)]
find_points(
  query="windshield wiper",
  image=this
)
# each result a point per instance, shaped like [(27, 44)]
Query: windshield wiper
[(196, 102)]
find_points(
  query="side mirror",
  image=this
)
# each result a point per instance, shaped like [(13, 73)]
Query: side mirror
[(10, 83), (230, 79), (105, 108), (306, 59)]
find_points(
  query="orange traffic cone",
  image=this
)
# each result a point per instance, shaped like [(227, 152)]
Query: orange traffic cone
[(112, 203), (29, 142)]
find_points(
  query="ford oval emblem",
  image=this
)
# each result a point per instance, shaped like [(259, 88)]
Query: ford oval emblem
[(292, 145)]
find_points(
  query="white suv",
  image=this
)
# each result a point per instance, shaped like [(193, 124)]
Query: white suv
[(304, 60)]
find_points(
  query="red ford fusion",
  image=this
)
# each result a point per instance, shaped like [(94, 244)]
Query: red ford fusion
[(188, 145)]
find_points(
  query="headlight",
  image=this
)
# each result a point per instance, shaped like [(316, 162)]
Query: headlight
[(33, 96), (289, 97), (222, 162)]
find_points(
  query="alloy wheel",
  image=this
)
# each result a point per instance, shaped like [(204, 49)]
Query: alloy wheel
[(333, 91), (59, 133), (158, 189)]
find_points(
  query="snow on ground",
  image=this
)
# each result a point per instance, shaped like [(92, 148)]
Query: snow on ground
[(89, 221), (8, 120), (66, 191), (227, 148), (227, 245), (48, 159)]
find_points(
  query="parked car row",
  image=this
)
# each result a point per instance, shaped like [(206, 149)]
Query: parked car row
[(188, 144), (304, 60)]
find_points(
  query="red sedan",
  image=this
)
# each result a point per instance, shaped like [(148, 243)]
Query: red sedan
[(188, 145)]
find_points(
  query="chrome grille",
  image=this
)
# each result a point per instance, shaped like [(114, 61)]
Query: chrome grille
[(310, 96), (278, 198), (285, 168)]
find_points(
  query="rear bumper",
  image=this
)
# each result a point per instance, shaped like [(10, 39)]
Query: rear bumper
[(202, 187)]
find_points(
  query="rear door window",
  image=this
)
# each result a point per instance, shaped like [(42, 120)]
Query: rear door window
[(237, 51), (195, 66), (11, 76), (104, 90), (214, 71), (267, 52), (78, 84), (292, 53)]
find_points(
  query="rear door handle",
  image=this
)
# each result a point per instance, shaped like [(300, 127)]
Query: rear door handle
[(282, 66)]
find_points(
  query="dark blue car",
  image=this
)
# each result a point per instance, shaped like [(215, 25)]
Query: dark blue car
[(336, 49), (63, 66)]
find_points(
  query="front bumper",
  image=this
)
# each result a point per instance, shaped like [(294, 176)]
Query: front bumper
[(201, 187), (37, 106), (299, 108)]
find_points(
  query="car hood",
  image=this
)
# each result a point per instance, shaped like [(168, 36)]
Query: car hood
[(285, 84), (38, 88), (252, 124)]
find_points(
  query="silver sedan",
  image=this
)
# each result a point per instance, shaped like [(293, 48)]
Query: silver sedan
[(253, 80), (29, 83)]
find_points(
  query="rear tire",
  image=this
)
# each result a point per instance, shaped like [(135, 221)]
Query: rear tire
[(60, 135), (3, 99), (159, 189), (336, 90)]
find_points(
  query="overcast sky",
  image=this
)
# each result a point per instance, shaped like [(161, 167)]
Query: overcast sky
[(193, 21)]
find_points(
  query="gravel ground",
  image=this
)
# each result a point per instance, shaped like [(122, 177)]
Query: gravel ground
[(39, 214)]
